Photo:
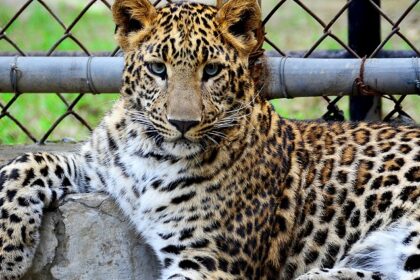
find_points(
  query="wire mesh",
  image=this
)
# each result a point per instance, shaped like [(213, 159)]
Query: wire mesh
[(67, 35), (404, 11), (294, 27)]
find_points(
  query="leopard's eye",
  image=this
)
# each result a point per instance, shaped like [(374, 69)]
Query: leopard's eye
[(211, 70), (158, 69)]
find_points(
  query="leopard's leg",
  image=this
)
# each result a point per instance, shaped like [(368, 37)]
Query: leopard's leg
[(29, 184), (392, 253), (186, 268), (340, 274), (192, 264)]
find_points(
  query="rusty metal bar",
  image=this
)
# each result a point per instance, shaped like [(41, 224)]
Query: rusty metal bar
[(364, 37)]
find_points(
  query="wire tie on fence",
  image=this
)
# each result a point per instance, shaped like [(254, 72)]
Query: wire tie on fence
[(416, 67), (362, 88), (284, 92), (14, 75), (89, 79)]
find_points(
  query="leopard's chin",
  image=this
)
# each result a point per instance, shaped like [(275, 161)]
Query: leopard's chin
[(182, 148)]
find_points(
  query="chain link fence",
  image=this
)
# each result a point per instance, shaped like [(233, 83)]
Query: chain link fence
[(296, 28)]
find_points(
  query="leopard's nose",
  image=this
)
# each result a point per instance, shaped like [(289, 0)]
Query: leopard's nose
[(183, 125)]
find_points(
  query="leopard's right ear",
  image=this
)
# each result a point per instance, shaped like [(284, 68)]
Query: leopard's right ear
[(134, 20)]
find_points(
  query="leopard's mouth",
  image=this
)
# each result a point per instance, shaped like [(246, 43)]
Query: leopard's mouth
[(182, 141), (182, 147)]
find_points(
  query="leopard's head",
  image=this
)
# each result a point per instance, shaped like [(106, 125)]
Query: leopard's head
[(186, 78)]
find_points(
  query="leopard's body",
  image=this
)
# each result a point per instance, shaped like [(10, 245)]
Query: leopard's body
[(228, 190)]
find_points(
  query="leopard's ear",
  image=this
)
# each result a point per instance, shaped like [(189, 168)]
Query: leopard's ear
[(239, 20), (134, 19)]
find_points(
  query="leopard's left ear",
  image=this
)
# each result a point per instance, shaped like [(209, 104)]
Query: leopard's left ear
[(239, 20), (134, 20)]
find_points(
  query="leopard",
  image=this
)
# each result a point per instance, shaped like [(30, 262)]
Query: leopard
[(215, 181)]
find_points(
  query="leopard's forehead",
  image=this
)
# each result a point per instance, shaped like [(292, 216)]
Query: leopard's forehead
[(186, 14), (185, 32)]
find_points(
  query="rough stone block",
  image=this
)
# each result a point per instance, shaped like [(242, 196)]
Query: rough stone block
[(88, 238)]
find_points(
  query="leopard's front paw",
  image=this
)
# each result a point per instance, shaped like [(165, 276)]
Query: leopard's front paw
[(21, 211), (316, 274), (19, 238)]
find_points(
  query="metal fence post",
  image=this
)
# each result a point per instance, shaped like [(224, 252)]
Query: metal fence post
[(364, 35)]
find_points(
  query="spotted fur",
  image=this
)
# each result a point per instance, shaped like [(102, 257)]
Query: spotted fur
[(229, 190)]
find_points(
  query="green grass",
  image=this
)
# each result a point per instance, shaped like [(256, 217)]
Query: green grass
[(291, 29)]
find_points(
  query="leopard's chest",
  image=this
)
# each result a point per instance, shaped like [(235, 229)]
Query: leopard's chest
[(155, 195)]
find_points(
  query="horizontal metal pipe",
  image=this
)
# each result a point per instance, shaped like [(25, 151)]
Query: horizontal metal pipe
[(286, 77), (301, 77), (61, 74)]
